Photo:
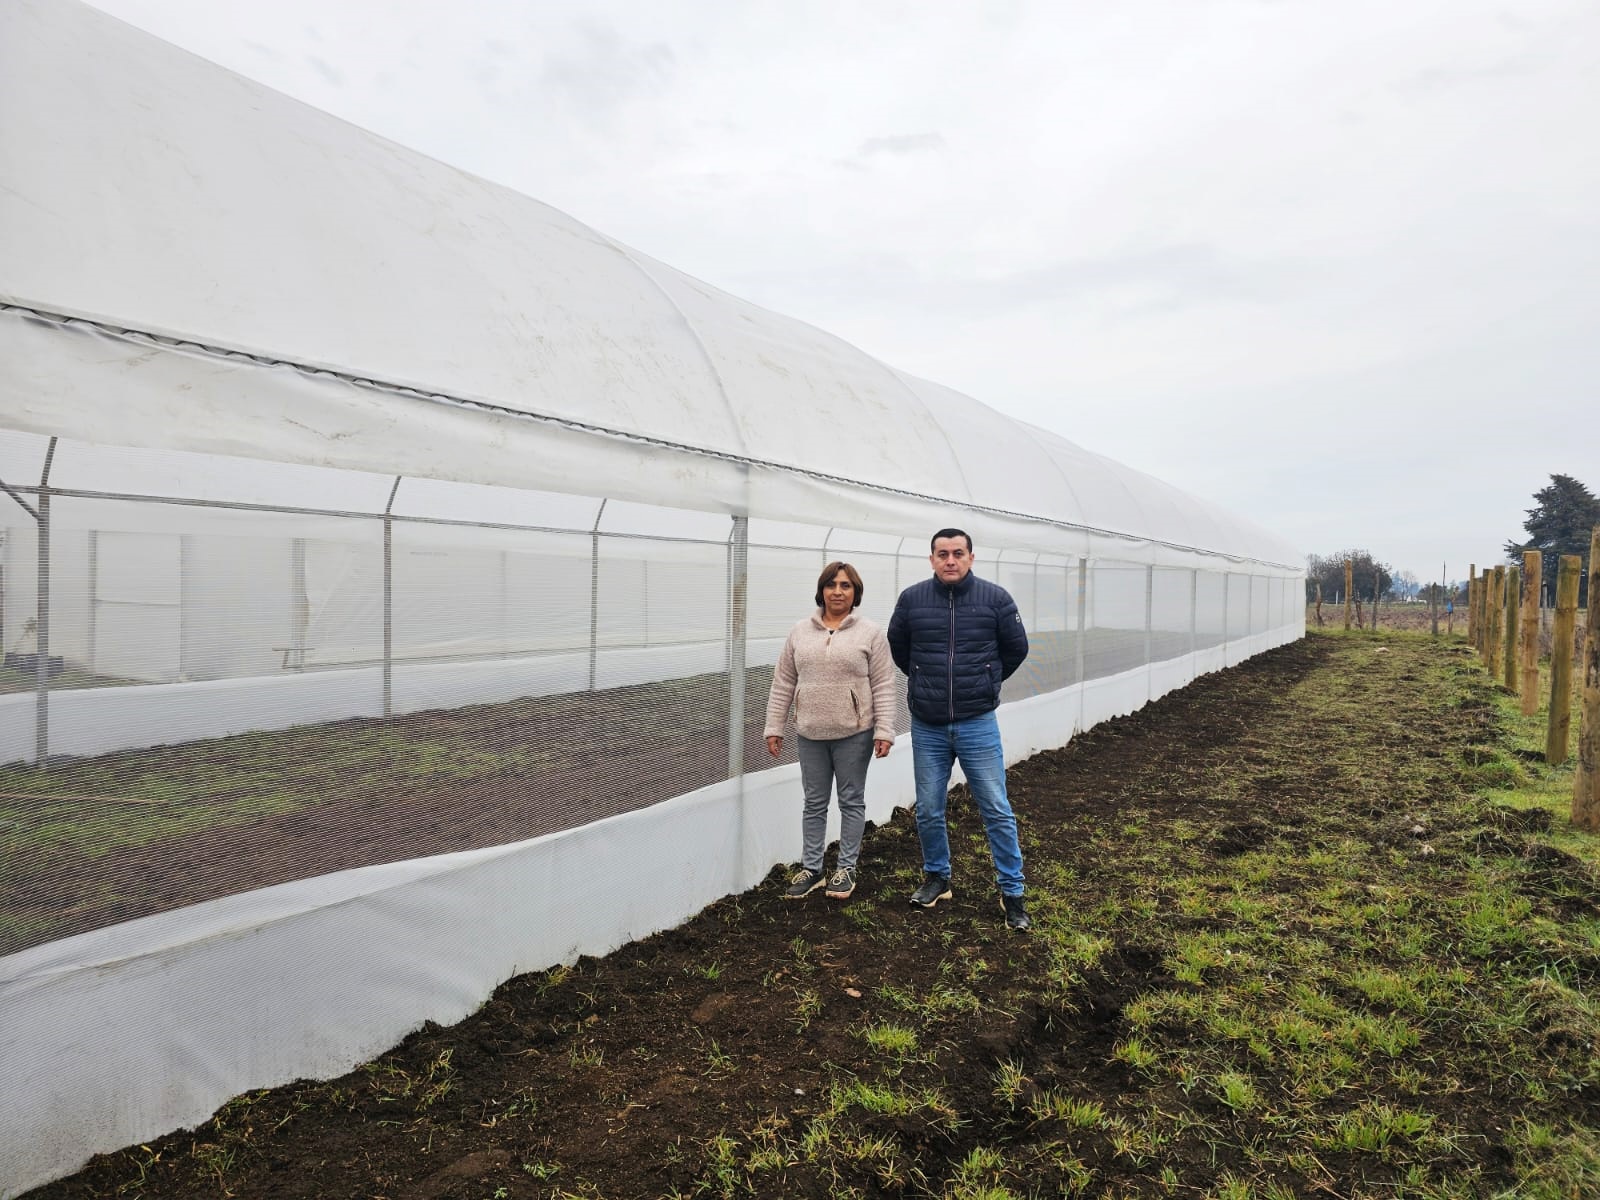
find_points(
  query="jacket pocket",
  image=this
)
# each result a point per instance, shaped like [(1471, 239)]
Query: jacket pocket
[(861, 704)]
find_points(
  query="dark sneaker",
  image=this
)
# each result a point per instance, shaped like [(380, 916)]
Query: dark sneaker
[(934, 889), (1016, 913), (841, 883), (803, 883)]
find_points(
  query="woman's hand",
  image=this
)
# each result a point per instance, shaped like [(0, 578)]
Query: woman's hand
[(774, 746), (880, 747)]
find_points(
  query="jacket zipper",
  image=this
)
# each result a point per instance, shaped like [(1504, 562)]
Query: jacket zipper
[(951, 664)]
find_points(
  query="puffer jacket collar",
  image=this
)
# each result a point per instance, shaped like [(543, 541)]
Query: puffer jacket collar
[(960, 588)]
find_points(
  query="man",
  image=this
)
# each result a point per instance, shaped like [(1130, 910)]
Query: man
[(957, 637)]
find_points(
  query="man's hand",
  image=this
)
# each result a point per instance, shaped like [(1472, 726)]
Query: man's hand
[(774, 746), (880, 747)]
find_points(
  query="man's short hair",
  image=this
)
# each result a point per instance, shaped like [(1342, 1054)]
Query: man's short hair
[(950, 533), (830, 571)]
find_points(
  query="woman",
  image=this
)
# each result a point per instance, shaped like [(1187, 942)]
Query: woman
[(836, 671)]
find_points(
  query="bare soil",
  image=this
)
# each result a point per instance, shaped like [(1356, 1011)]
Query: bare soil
[(617, 1076)]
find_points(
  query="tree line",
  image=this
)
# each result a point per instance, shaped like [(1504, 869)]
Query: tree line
[(1560, 522)]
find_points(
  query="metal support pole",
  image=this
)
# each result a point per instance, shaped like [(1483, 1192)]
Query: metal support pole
[(1033, 607), (594, 596), (41, 725), (1066, 619), (1194, 609), (1227, 620), (388, 598), (738, 599), (1081, 657), (1083, 612), (41, 628), (1149, 608)]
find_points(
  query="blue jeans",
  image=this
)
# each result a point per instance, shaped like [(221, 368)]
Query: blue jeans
[(975, 743)]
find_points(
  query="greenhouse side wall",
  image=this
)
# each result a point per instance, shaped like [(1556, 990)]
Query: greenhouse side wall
[(282, 781)]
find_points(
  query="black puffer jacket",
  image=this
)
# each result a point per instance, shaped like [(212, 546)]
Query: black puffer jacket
[(956, 644)]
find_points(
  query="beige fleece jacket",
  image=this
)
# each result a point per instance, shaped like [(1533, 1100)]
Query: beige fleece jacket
[(839, 682)]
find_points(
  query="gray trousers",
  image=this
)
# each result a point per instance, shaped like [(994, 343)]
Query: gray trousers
[(822, 763)]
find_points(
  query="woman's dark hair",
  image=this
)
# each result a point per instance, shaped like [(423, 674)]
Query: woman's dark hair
[(833, 569)]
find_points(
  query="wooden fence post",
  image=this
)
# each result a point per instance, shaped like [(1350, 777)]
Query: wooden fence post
[(1586, 783), (1560, 725), (1528, 650), (1479, 624), (1508, 659), (1485, 612), (1472, 604), (1349, 592), (1477, 612), (1485, 590), (1495, 614), (1497, 624)]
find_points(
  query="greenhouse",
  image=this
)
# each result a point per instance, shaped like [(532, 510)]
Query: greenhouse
[(392, 573)]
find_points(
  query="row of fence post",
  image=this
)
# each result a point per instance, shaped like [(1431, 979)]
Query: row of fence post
[(1503, 626)]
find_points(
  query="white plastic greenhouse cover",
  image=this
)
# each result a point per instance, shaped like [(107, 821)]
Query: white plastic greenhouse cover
[(162, 217), (193, 265)]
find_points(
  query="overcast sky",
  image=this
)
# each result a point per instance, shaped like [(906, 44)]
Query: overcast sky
[(1334, 264)]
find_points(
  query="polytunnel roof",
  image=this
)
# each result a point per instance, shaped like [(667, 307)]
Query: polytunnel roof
[(194, 261)]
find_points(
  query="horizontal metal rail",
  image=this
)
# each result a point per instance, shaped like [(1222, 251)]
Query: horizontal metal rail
[(500, 410)]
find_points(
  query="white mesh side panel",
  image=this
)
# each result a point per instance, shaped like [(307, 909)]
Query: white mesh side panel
[(1114, 636), (1238, 606), (238, 605), (461, 593), (1211, 618), (1170, 611), (340, 602), (877, 580)]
